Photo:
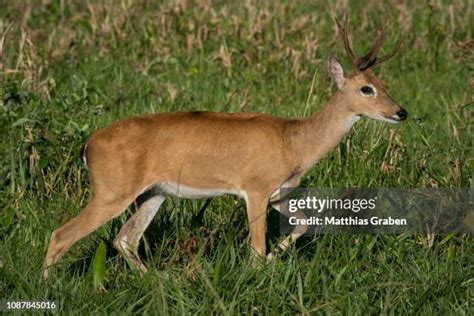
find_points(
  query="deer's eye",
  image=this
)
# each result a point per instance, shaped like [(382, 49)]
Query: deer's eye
[(367, 90)]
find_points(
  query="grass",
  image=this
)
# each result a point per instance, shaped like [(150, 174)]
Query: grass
[(68, 68)]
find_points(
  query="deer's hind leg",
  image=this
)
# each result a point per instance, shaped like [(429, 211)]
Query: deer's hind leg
[(96, 213), (128, 239)]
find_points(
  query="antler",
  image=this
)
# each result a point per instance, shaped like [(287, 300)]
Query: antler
[(343, 29), (386, 57), (369, 60)]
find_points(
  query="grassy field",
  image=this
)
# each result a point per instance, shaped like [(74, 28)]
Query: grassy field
[(69, 68)]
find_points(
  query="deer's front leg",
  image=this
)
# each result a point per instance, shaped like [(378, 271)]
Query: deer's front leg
[(257, 217), (275, 204)]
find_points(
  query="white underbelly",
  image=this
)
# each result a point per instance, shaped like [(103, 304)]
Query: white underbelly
[(183, 191)]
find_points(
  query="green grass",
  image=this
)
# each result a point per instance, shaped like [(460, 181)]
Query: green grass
[(70, 69)]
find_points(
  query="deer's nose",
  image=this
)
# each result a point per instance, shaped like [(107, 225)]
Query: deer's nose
[(402, 114)]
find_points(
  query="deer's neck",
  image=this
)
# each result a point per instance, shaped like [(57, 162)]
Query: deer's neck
[(314, 137)]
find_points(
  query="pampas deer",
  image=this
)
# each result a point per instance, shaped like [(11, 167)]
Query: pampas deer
[(204, 154)]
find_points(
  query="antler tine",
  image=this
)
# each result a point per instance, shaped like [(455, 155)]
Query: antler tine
[(378, 42), (343, 29), (371, 57), (389, 55)]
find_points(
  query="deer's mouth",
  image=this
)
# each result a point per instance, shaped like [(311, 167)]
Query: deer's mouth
[(389, 119), (392, 119)]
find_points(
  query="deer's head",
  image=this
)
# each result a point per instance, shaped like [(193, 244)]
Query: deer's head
[(363, 92)]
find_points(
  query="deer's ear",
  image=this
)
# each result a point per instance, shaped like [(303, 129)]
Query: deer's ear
[(335, 71)]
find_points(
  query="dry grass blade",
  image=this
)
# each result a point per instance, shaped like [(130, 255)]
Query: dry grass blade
[(224, 56), (2, 42)]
